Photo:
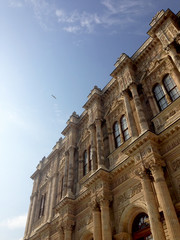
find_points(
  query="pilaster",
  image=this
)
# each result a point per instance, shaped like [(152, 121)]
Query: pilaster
[(139, 110), (165, 201), (152, 208)]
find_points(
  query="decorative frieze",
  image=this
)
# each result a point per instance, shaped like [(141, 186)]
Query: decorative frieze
[(175, 165), (120, 180), (128, 194)]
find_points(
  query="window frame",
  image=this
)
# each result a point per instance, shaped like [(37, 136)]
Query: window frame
[(159, 100), (117, 138), (42, 205), (90, 158), (123, 121), (172, 89), (85, 163)]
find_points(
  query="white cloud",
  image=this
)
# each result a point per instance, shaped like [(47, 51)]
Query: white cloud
[(15, 3), (115, 12), (72, 29), (14, 222), (112, 13), (83, 21)]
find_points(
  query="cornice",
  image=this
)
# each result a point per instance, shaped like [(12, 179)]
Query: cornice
[(99, 174), (124, 61), (68, 128), (91, 100), (64, 202), (138, 143), (160, 21)]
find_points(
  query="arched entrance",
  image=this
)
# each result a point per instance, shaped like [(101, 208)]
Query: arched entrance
[(141, 228)]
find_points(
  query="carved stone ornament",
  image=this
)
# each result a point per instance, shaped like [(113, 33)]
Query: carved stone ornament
[(176, 165), (177, 39), (116, 107)]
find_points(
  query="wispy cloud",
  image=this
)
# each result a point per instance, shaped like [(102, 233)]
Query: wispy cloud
[(78, 21), (43, 11), (111, 13), (15, 3), (14, 222)]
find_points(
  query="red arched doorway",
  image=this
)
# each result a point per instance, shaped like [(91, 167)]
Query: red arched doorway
[(141, 228)]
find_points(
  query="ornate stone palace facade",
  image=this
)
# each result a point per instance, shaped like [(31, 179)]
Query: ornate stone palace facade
[(116, 172)]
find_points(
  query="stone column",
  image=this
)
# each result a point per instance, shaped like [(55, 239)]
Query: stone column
[(53, 195), (61, 234), (99, 142), (93, 146), (28, 218), (139, 110), (165, 202), (152, 208), (47, 200), (131, 125), (71, 171), (176, 77), (80, 175), (65, 174), (110, 136), (173, 54), (31, 213), (122, 236), (67, 233), (97, 228), (53, 189), (105, 220), (68, 227), (152, 103)]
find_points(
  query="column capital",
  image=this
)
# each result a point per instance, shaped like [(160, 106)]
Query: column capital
[(71, 149), (94, 205), (68, 224), (98, 121), (104, 201), (92, 126), (66, 153), (133, 86), (140, 172), (125, 93)]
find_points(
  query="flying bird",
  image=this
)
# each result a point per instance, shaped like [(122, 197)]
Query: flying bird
[(53, 96)]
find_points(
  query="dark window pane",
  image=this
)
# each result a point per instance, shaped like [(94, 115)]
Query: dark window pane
[(117, 138), (160, 97), (171, 88), (124, 128)]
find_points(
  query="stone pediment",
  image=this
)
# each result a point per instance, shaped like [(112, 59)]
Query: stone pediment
[(116, 104)]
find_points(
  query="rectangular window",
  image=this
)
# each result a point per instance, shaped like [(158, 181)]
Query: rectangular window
[(42, 205)]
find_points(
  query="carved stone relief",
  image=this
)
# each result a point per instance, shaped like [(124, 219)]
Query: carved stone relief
[(128, 194), (175, 165)]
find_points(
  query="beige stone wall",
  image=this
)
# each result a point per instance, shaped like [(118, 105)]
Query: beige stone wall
[(142, 175)]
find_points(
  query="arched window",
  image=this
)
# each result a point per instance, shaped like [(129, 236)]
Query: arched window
[(141, 228), (117, 137), (171, 87), (124, 128), (160, 97), (90, 158), (85, 163)]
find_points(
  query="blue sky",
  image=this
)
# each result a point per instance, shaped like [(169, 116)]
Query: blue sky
[(62, 48)]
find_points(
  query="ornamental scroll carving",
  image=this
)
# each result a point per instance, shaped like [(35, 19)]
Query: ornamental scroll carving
[(116, 107), (128, 194), (84, 222), (171, 145), (120, 180), (158, 72), (175, 165)]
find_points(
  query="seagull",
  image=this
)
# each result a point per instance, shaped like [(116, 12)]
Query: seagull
[(53, 96)]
